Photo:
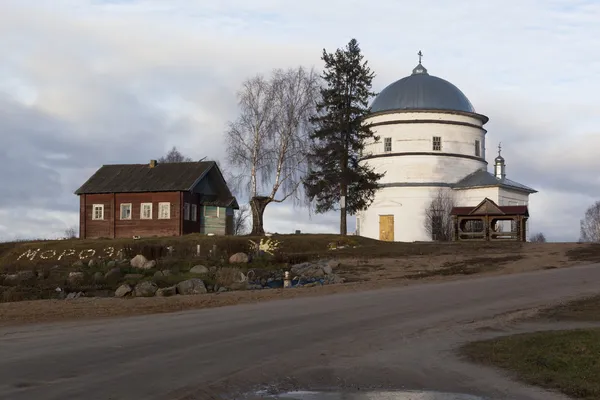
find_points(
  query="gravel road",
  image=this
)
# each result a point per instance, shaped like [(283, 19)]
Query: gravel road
[(399, 338)]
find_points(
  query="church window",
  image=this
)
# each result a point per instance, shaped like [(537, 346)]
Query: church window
[(437, 143), (387, 144), (477, 149)]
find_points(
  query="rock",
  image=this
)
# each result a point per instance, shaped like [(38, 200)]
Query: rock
[(98, 277), (239, 258), (113, 275), (25, 276), (166, 292), (74, 295), (255, 287), (11, 279), (312, 284), (111, 264), (162, 274), (191, 286), (75, 277), (123, 290), (78, 264), (133, 276), (145, 289), (210, 288), (333, 264), (199, 269), (298, 269), (92, 263), (327, 269), (149, 265), (336, 279), (213, 269), (238, 286), (138, 261), (222, 289)]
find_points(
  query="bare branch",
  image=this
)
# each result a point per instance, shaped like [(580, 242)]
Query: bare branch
[(438, 220), (590, 224), (174, 156)]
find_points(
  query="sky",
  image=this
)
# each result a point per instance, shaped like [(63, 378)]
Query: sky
[(91, 82)]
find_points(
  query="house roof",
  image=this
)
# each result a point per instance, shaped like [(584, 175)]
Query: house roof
[(130, 178), (482, 178), (489, 207)]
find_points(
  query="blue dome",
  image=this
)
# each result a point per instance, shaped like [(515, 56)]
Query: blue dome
[(421, 91)]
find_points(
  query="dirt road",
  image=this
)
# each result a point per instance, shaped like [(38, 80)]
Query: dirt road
[(399, 338)]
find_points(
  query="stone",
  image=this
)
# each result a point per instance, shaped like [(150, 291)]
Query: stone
[(191, 286), (78, 264), (167, 292), (149, 265), (238, 286), (43, 273), (138, 261), (239, 258), (255, 287), (98, 277), (111, 264), (199, 269), (133, 276), (92, 263), (123, 290), (74, 295), (222, 289), (333, 264), (25, 276), (162, 274), (298, 269), (75, 277), (145, 289), (327, 269), (113, 275)]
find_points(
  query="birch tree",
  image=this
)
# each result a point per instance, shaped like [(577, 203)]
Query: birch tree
[(268, 143), (590, 224)]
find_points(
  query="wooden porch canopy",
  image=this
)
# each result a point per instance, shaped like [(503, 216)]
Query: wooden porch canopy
[(483, 222)]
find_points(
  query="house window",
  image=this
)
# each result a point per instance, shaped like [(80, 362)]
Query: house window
[(146, 211), (194, 212), (211, 211), (164, 210), (387, 144), (98, 211), (437, 143), (186, 211), (126, 211), (477, 149)]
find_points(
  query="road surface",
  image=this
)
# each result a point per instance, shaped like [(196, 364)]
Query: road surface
[(400, 338)]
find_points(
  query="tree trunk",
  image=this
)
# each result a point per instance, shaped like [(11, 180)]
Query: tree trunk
[(258, 205), (343, 213)]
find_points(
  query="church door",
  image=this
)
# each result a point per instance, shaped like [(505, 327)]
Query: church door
[(386, 228)]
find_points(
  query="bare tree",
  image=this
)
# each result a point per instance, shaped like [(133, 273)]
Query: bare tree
[(438, 221), (240, 220), (70, 233), (174, 156), (590, 224), (269, 142), (538, 238)]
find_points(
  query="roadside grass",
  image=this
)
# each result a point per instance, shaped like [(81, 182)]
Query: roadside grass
[(469, 266), (567, 361), (588, 252)]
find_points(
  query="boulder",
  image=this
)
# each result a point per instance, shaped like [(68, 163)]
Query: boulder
[(166, 292), (222, 289), (239, 286), (111, 264), (145, 289), (199, 269), (92, 263), (78, 264), (327, 269), (123, 290), (149, 265), (162, 274), (98, 277), (26, 276), (74, 295), (11, 279), (239, 258), (191, 286), (138, 261), (133, 276), (75, 277), (333, 264), (113, 275)]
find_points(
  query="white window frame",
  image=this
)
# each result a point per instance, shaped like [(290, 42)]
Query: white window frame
[(477, 148), (387, 144), (211, 216), (194, 211), (121, 210), (161, 207), (101, 208), (438, 142), (186, 211), (142, 210)]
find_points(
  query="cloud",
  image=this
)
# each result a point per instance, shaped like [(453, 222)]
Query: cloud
[(84, 83)]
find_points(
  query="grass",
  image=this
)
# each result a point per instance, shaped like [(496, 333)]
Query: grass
[(588, 252), (566, 361), (470, 266)]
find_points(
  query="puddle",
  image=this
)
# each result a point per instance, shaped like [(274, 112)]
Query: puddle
[(390, 395)]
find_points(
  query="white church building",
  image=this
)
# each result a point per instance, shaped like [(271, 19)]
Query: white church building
[(430, 138)]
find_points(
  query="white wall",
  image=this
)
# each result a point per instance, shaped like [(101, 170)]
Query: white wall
[(472, 197)]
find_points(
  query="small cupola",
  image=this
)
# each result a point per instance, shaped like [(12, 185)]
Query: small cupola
[(499, 165)]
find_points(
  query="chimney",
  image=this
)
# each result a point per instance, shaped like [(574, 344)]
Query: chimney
[(152, 163)]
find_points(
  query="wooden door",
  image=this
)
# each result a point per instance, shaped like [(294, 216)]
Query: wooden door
[(386, 228)]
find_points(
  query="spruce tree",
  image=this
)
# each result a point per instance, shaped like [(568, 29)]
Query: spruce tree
[(337, 177)]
